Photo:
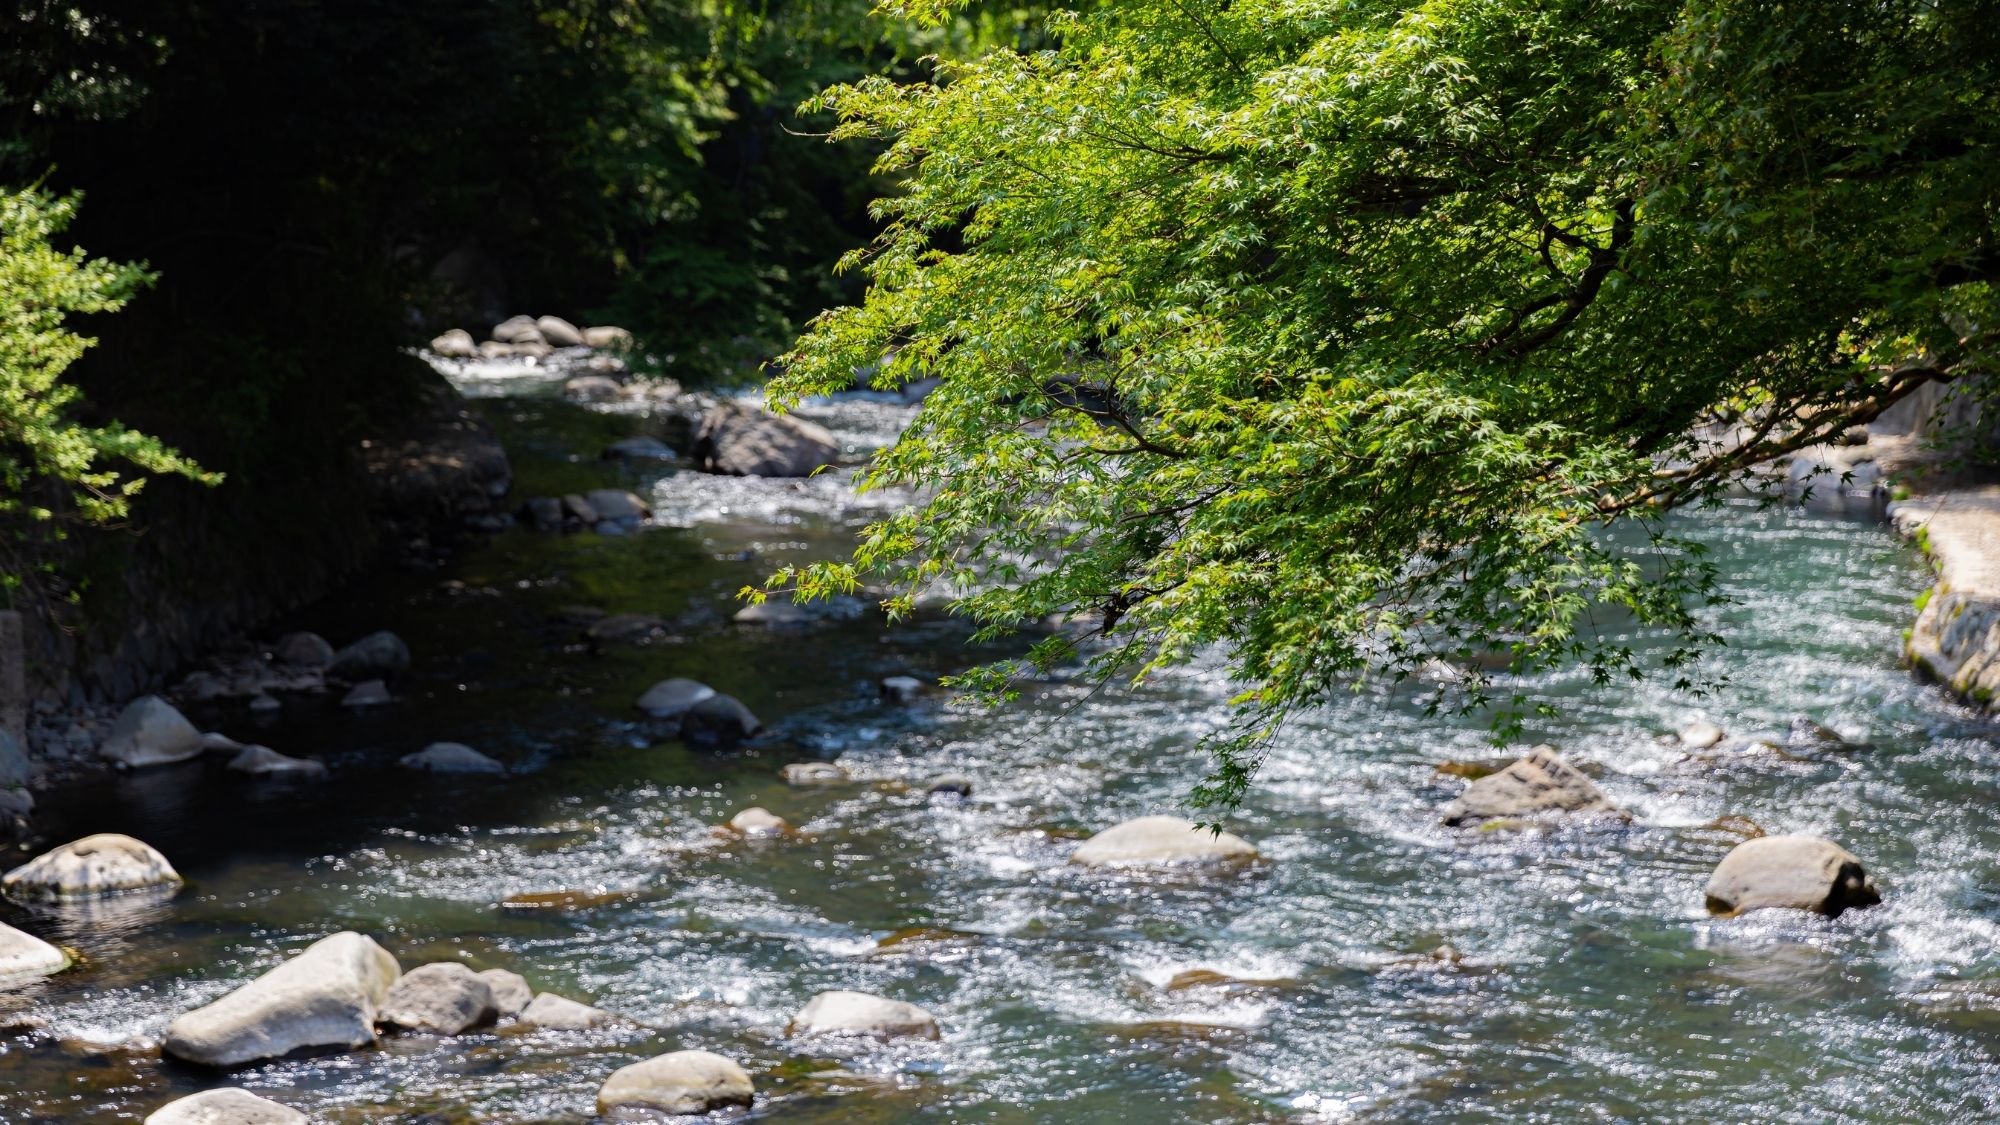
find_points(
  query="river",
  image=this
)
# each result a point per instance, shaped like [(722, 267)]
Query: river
[(1376, 966)]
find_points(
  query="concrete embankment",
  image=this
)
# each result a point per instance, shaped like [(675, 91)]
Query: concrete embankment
[(1956, 637)]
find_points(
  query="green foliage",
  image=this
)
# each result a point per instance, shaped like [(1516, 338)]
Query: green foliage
[(1333, 334), (92, 468)]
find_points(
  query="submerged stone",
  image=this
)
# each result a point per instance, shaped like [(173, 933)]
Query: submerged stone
[(451, 757), (672, 698), (262, 760), (379, 655)]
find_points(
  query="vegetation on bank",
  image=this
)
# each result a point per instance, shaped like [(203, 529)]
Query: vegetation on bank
[(1334, 334)]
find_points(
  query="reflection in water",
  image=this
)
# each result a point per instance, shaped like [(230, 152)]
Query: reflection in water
[(1377, 968)]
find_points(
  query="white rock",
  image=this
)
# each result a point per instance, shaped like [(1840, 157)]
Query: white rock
[(771, 613), (1701, 735), (264, 760), (451, 757), (607, 338), (25, 955), (150, 732), (670, 698), (758, 821), (443, 998), (510, 991), (227, 1106), (860, 1013), (558, 331), (562, 1014), (1157, 840), (104, 864), (327, 996), (813, 773), (1795, 872), (681, 1082), (455, 343)]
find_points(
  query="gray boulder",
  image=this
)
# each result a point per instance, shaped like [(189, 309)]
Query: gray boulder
[(861, 1013), (104, 864), (1540, 782), (262, 761), (456, 343), (718, 720), (510, 991), (303, 650), (441, 998), (150, 732), (367, 693), (559, 332), (450, 757), (671, 698), (640, 449), (562, 1014), (1790, 872), (381, 655), (327, 996), (604, 337), (617, 504), (227, 1106), (745, 442), (681, 1082), (25, 955), (1156, 841)]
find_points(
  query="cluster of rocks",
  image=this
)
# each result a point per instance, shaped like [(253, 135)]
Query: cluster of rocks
[(1795, 872), (261, 677), (607, 511), (531, 337)]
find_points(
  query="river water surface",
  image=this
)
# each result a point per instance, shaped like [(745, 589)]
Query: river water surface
[(1376, 967)]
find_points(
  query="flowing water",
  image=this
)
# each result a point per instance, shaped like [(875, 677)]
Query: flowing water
[(1376, 967)]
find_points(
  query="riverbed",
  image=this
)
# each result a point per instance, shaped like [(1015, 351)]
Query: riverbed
[(1374, 967)]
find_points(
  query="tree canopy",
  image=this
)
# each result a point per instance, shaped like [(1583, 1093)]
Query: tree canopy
[(1334, 334)]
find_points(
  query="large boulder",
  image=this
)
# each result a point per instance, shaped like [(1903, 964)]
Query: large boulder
[(227, 1106), (860, 1013), (303, 650), (104, 864), (681, 1082), (1540, 782), (719, 720), (326, 997), (450, 757), (510, 991), (745, 442), (442, 998), (149, 732), (673, 698), (1160, 840), (517, 329), (455, 343), (562, 1014), (1795, 872), (381, 655), (25, 955), (261, 761), (557, 331)]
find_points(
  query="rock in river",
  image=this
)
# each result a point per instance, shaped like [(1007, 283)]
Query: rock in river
[(1701, 735), (860, 1013), (25, 955), (104, 864), (681, 1082), (1798, 872), (456, 343), (719, 719), (327, 996), (777, 614), (813, 773), (607, 337), (227, 1106), (262, 760), (672, 698), (510, 991), (558, 331), (758, 821), (562, 1014), (381, 655), (367, 693), (901, 689), (617, 504), (1160, 840), (747, 442), (451, 757), (1540, 782), (442, 998), (149, 732), (303, 650)]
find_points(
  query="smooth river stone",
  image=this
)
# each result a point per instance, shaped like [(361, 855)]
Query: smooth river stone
[(450, 757), (1795, 872), (758, 821), (25, 955), (814, 773), (262, 760), (441, 998), (510, 991), (104, 864), (327, 996), (227, 1106), (860, 1013), (669, 698), (681, 1082), (562, 1014), (1158, 841), (150, 732)]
